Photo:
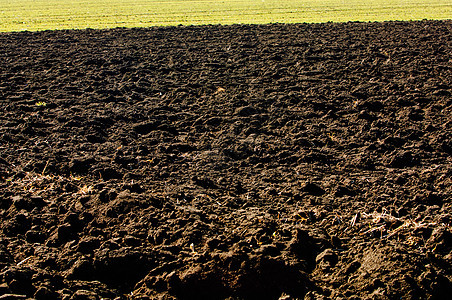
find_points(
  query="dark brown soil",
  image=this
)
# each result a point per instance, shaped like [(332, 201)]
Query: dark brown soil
[(241, 162)]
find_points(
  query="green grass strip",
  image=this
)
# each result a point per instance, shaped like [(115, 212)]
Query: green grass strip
[(18, 15)]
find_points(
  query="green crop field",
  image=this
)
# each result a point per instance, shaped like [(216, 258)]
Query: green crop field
[(17, 15)]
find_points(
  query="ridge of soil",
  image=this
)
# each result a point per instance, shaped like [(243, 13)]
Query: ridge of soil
[(244, 162)]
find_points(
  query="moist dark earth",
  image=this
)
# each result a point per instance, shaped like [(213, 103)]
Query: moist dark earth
[(304, 161)]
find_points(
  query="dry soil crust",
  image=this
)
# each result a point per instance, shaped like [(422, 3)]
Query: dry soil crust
[(250, 162)]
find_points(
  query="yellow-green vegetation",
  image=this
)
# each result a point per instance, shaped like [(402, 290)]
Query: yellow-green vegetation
[(17, 15)]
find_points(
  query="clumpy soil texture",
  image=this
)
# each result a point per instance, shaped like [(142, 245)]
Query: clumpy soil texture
[(214, 162)]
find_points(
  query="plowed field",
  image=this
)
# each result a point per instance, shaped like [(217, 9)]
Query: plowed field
[(244, 162)]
